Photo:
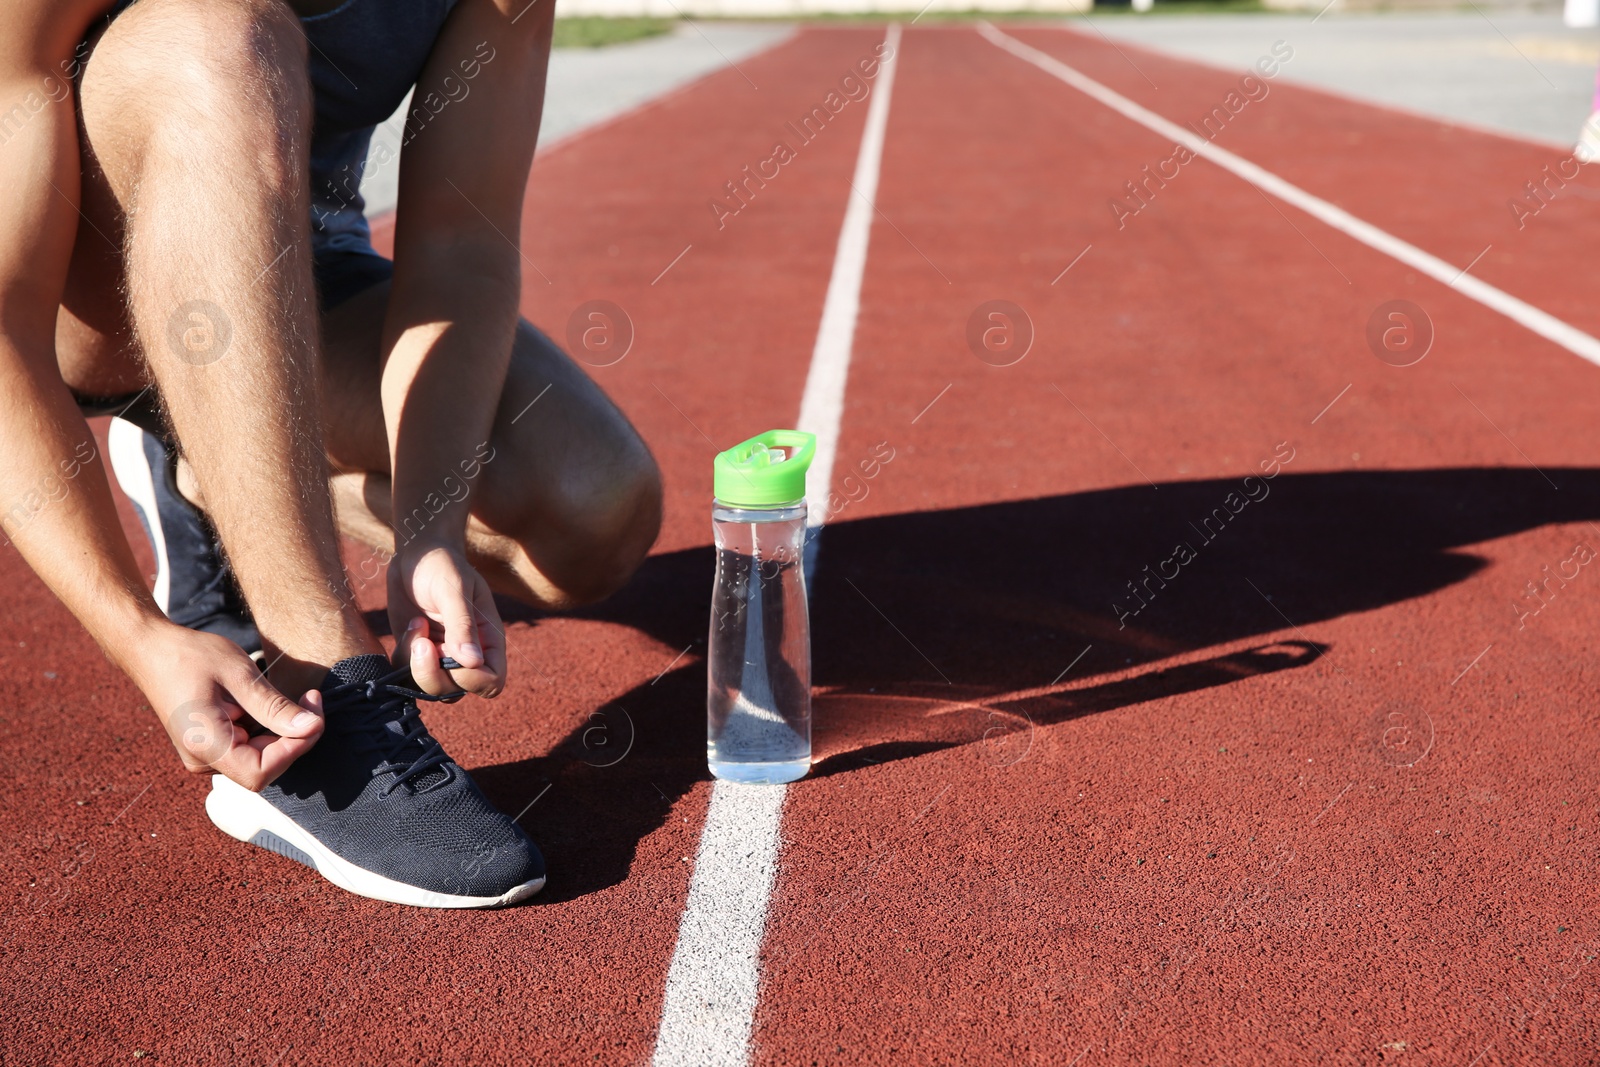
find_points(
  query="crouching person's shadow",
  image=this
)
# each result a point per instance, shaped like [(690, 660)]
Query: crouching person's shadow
[(979, 627)]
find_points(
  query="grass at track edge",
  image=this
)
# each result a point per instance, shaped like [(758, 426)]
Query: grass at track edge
[(598, 31)]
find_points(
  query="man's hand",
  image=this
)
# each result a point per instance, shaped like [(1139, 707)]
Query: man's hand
[(438, 604), (221, 712)]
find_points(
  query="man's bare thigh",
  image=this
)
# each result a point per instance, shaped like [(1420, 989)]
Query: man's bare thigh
[(97, 345)]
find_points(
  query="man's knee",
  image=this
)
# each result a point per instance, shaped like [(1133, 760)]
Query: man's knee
[(184, 81), (617, 519), (590, 540)]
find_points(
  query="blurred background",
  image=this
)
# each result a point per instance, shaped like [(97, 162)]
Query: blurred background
[(1523, 69)]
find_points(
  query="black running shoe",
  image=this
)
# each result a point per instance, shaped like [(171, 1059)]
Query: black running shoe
[(194, 584), (378, 808)]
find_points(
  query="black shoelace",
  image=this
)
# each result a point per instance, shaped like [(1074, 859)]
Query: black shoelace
[(384, 695)]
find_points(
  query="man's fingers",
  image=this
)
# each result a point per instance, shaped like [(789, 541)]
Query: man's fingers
[(479, 680), (204, 730), (494, 641), (275, 711), (256, 762), (416, 627), (425, 669), (212, 734), (403, 615), (461, 630), (275, 754), (311, 700), (209, 737)]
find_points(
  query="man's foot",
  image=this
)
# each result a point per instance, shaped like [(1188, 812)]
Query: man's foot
[(378, 808), (194, 584)]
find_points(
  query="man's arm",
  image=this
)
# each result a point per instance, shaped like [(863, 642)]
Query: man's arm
[(52, 489), (55, 500), (453, 313)]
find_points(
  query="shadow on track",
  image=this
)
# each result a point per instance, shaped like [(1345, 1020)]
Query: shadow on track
[(937, 629)]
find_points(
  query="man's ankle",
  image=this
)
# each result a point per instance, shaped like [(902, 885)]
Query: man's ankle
[(294, 675)]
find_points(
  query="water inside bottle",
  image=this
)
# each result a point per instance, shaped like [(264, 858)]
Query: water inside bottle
[(759, 698)]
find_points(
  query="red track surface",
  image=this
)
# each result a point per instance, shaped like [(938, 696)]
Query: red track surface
[(1198, 845)]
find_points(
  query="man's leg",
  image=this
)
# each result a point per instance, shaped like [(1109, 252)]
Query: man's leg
[(564, 512), (198, 112), (198, 115)]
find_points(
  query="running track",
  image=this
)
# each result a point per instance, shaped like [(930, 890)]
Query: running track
[(1324, 797)]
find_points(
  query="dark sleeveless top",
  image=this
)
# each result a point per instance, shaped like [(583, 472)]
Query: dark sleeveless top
[(364, 56)]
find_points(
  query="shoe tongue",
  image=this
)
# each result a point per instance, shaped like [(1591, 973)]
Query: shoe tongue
[(358, 670)]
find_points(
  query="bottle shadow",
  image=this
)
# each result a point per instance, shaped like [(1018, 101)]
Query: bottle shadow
[(1002, 727), (978, 626)]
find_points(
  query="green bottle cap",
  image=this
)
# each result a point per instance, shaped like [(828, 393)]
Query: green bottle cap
[(764, 471)]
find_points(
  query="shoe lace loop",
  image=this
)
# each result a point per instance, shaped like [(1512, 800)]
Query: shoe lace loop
[(386, 696)]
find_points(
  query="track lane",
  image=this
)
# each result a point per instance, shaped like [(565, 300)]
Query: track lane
[(1442, 187)]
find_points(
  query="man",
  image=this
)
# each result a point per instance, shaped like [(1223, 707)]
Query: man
[(181, 241)]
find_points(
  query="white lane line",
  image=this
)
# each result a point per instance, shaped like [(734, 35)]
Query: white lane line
[(708, 1009), (1524, 314), (822, 403), (711, 990)]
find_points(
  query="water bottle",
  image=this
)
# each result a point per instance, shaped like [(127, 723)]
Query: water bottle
[(758, 704)]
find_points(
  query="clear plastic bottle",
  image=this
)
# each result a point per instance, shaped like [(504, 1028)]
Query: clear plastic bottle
[(758, 721)]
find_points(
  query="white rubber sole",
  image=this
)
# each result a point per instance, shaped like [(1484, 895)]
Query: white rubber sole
[(125, 444), (244, 815)]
